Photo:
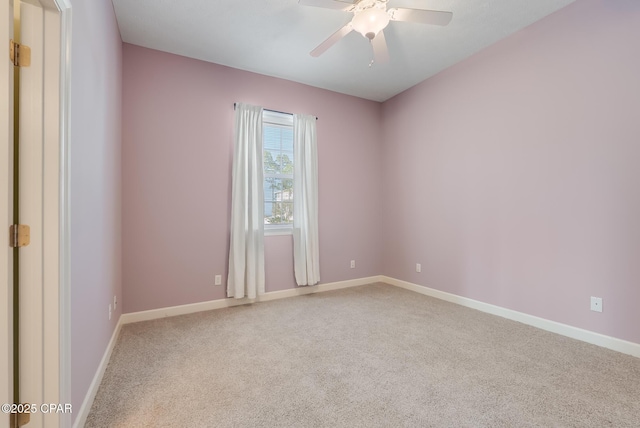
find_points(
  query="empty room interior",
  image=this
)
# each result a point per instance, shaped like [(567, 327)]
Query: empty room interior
[(470, 250)]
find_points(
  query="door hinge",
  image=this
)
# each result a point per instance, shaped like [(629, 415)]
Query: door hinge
[(19, 235), (20, 55), (22, 419)]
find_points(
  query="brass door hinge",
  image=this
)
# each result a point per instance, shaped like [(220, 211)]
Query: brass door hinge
[(23, 419), (19, 235), (20, 55)]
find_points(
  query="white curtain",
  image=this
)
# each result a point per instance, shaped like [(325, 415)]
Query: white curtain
[(246, 251), (305, 201)]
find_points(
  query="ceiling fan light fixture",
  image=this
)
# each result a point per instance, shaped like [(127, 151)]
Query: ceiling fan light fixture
[(369, 22)]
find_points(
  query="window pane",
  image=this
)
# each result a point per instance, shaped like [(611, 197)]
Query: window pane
[(268, 211), (271, 165), (278, 168), (282, 213), (286, 162), (287, 190), (271, 137), (270, 187), (273, 188)]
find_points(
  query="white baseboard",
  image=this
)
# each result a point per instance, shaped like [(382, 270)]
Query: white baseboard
[(226, 303), (81, 419), (608, 342)]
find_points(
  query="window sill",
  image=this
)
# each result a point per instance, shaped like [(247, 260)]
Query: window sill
[(276, 231)]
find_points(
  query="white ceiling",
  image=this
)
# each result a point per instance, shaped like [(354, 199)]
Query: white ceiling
[(274, 37)]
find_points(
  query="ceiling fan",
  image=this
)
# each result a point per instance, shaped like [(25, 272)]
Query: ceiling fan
[(370, 17)]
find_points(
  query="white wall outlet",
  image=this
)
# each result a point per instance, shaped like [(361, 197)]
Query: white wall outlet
[(418, 267), (115, 303), (218, 280), (109, 311), (596, 304), (353, 264)]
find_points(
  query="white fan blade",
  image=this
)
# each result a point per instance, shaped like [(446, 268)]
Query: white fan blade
[(328, 4), (433, 17), (380, 51), (332, 40)]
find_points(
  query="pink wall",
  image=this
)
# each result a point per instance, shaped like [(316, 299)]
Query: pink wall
[(94, 187), (513, 176), (177, 151)]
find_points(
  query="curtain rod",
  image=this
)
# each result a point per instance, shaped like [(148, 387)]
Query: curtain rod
[(273, 111)]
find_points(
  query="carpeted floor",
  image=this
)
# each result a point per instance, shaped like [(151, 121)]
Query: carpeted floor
[(370, 356)]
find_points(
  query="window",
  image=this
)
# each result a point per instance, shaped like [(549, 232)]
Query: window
[(277, 141)]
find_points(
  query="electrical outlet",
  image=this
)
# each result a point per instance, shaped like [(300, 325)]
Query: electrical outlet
[(353, 264), (109, 311), (115, 303), (418, 267), (218, 280), (596, 304)]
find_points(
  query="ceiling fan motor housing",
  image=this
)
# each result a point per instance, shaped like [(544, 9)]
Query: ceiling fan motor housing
[(371, 20)]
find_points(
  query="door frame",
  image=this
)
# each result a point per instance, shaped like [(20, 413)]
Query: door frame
[(64, 208), (56, 213), (56, 206)]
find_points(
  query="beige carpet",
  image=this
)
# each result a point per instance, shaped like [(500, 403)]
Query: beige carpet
[(370, 356)]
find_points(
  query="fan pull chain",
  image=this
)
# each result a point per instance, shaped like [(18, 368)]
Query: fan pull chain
[(373, 54)]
